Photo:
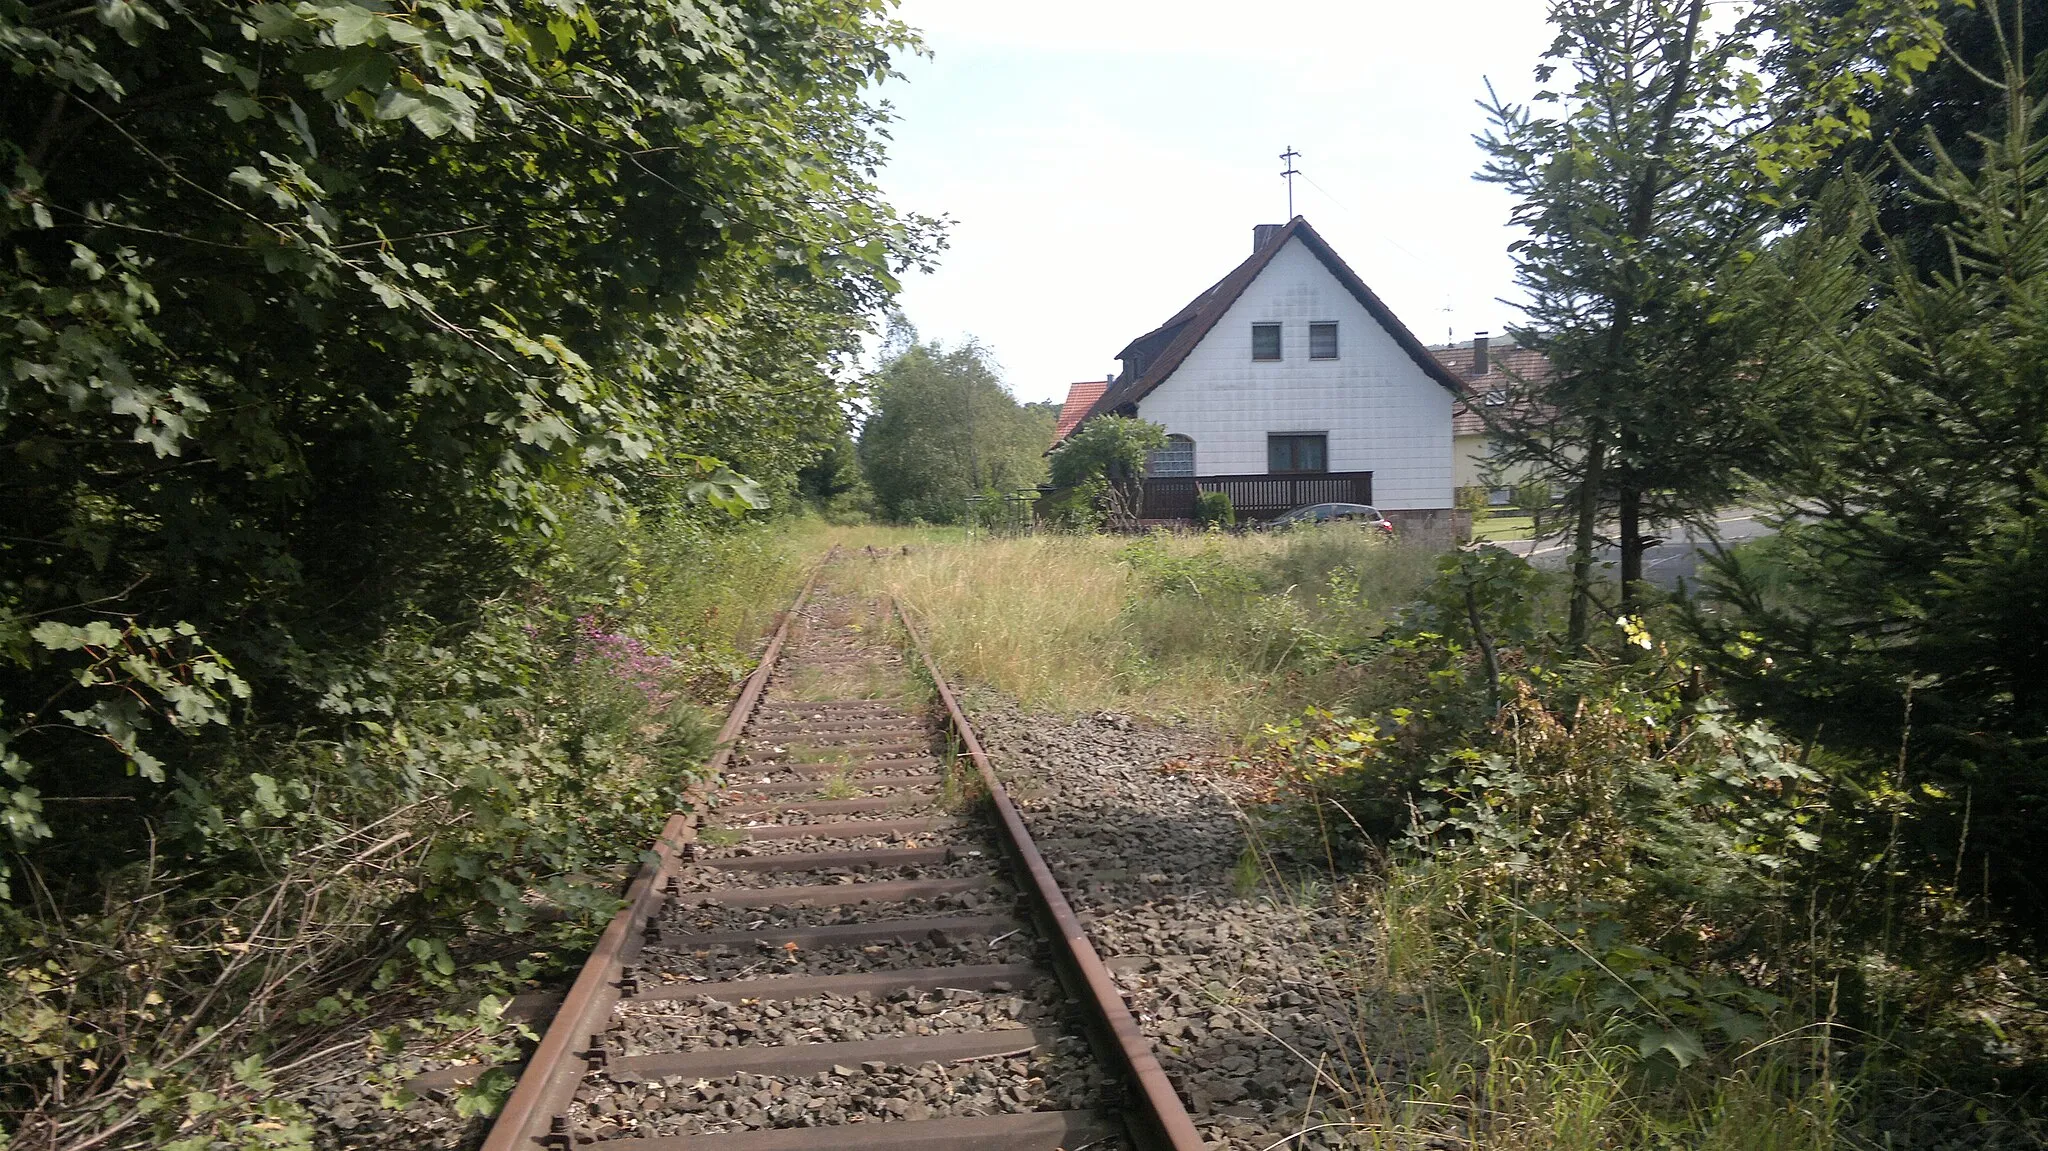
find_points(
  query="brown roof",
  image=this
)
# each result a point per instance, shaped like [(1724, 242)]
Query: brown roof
[(1152, 357), (1080, 397), (1510, 370)]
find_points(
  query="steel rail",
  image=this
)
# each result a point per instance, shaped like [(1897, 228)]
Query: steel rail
[(1162, 1119), (544, 1091)]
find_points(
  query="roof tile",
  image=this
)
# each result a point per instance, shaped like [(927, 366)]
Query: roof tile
[(1510, 371), (1080, 398)]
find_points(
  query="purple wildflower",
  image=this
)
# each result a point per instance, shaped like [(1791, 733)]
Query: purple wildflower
[(628, 659)]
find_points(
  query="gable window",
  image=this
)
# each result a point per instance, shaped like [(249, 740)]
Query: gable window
[(1322, 341), (1265, 341), (1174, 461), (1297, 453)]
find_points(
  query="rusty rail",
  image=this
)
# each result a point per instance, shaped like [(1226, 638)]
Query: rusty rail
[(531, 1115), (537, 1116), (1162, 1119)]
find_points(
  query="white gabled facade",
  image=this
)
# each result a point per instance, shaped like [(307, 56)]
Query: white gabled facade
[(1379, 410)]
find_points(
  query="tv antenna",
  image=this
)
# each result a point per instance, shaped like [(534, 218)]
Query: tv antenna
[(1288, 174)]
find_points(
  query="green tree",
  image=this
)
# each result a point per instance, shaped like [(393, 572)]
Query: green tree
[(1903, 614), (1105, 459), (1648, 188), (322, 318), (945, 428)]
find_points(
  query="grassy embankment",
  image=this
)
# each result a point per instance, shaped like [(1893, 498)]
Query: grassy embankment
[(1608, 931)]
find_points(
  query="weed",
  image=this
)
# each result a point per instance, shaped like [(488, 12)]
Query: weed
[(1230, 630), (1248, 873)]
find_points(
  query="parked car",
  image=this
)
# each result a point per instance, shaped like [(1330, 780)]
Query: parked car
[(1363, 514)]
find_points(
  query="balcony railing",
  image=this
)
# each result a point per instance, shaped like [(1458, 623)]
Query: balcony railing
[(1254, 497)]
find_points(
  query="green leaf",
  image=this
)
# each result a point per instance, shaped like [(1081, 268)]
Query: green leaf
[(1683, 1046), (239, 107)]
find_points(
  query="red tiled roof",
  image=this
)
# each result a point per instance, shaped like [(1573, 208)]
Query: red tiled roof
[(1080, 398), (1510, 372), (1162, 349)]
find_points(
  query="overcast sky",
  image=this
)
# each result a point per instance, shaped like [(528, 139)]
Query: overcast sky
[(1105, 160)]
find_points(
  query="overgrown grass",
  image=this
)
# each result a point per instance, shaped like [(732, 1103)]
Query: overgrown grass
[(1603, 909), (1229, 630)]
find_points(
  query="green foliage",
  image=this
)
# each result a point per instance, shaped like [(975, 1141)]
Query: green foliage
[(1649, 182), (945, 428), (1901, 614), (1472, 498), (319, 320), (1107, 457), (1586, 828), (1077, 508), (1214, 510), (1293, 617), (483, 775), (1106, 448), (378, 379), (1533, 496), (1171, 572)]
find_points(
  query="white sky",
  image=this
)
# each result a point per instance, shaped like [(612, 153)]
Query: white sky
[(1105, 160)]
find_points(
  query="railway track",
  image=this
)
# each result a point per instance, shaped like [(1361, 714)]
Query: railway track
[(851, 943)]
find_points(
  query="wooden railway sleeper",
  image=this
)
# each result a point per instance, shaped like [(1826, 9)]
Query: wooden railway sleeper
[(545, 1103)]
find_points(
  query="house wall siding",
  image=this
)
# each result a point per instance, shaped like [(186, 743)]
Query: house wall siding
[(1381, 413), (1472, 453)]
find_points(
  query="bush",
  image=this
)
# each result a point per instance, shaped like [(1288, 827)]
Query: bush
[(1214, 510), (467, 779), (1075, 509)]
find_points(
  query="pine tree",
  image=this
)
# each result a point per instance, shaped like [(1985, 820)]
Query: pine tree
[(1649, 187), (1909, 600)]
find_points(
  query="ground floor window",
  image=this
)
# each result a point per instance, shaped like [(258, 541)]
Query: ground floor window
[(1298, 453), (1174, 461)]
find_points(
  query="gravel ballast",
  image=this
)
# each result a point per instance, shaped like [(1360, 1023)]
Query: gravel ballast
[(1063, 1079), (1237, 990)]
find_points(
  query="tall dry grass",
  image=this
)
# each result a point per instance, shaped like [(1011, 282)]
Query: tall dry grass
[(1226, 630)]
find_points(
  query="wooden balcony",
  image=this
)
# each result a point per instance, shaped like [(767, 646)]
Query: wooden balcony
[(1254, 497)]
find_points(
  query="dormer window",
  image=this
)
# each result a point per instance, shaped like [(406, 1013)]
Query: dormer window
[(1265, 341)]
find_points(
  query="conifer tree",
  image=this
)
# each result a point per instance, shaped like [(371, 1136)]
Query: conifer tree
[(1907, 601), (1649, 185)]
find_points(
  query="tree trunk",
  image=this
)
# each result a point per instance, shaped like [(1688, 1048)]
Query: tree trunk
[(1630, 515), (1642, 215), (1583, 532)]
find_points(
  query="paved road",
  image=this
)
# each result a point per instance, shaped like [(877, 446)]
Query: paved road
[(1677, 558)]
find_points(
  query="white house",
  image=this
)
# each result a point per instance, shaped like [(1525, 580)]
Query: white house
[(1289, 382)]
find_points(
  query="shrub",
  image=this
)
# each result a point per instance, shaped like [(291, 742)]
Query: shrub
[(1077, 508), (1214, 510)]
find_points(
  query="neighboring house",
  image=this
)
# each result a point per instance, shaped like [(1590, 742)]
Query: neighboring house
[(1288, 382), (1496, 379), (1080, 398)]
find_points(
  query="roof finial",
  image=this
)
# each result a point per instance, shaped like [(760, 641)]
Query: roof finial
[(1288, 174)]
